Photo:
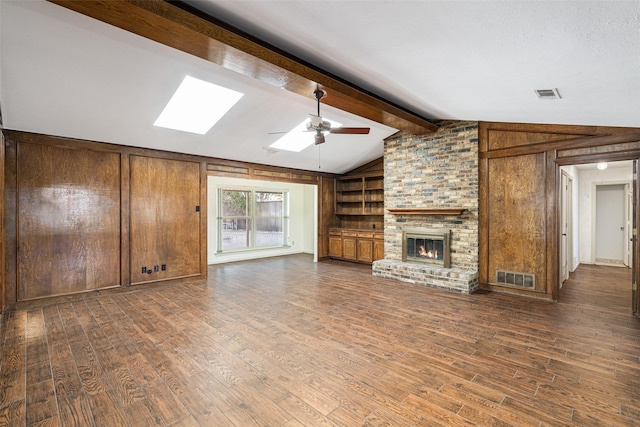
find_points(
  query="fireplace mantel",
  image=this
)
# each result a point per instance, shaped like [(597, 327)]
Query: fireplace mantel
[(422, 211)]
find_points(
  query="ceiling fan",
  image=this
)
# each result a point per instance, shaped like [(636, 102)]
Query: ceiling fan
[(321, 126)]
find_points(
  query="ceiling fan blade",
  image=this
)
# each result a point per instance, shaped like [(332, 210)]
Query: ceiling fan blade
[(351, 131)]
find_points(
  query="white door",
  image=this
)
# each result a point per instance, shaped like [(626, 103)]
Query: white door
[(610, 224), (565, 226), (629, 226)]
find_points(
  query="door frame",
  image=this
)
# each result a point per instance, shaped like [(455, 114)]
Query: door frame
[(594, 214), (554, 250), (566, 225), (635, 268)]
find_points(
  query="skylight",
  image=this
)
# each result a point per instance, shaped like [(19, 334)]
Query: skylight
[(196, 106), (298, 138)]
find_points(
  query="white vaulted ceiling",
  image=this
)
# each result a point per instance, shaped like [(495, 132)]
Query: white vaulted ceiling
[(62, 73)]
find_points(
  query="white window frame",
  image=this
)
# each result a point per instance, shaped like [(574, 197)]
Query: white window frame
[(252, 218)]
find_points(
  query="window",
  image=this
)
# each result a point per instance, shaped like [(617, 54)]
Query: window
[(252, 219)]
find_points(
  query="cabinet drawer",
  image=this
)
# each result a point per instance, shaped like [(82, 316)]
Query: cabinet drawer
[(349, 233), (365, 234)]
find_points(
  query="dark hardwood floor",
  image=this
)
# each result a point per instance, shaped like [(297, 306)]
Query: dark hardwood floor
[(286, 342)]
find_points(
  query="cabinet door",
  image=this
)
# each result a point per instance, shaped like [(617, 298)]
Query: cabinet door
[(165, 224), (349, 248), (378, 249), (365, 250), (335, 246)]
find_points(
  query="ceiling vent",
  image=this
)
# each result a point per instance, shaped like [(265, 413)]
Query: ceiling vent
[(547, 93)]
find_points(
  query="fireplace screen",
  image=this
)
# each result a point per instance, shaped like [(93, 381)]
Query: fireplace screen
[(426, 246)]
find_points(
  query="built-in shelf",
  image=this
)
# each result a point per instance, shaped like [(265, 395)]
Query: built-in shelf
[(359, 195), (420, 211)]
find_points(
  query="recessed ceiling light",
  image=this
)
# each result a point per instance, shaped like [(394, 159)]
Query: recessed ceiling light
[(196, 106), (547, 93), (298, 138), (602, 165)]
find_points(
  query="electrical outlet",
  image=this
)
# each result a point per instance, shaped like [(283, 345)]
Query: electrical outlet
[(163, 267), (156, 268), (144, 270)]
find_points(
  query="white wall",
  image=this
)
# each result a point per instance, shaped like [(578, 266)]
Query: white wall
[(302, 224), (589, 178)]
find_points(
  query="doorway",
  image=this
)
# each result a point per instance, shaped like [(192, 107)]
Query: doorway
[(610, 243), (596, 205)]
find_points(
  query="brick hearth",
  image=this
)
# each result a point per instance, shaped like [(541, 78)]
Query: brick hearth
[(453, 279)]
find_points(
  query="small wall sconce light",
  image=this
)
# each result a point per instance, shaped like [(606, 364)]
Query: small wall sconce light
[(602, 165)]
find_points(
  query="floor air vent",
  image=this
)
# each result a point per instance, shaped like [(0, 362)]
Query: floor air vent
[(521, 280)]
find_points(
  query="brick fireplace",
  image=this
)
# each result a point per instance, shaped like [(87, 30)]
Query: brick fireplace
[(431, 183)]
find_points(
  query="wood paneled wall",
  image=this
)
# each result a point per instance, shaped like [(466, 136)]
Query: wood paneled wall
[(82, 216), (68, 204), (521, 244), (519, 191), (165, 219)]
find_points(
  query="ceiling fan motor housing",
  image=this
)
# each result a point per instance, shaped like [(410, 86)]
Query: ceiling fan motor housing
[(316, 123)]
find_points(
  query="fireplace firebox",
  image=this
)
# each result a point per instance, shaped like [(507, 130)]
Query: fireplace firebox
[(426, 246)]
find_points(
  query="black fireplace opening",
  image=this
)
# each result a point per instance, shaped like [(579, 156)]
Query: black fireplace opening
[(426, 246), (420, 247)]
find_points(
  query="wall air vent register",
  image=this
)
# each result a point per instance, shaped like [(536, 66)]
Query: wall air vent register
[(520, 280)]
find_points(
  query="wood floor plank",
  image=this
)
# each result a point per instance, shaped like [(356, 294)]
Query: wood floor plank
[(13, 371), (289, 342), (12, 413), (165, 403), (40, 402), (74, 410), (107, 411)]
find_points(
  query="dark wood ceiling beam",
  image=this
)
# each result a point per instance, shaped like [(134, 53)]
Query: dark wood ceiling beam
[(172, 26)]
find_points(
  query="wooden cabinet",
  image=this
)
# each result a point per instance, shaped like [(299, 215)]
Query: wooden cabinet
[(363, 246), (335, 243), (350, 245), (365, 249), (362, 195), (378, 246)]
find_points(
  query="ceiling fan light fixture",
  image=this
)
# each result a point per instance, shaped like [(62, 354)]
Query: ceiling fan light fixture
[(291, 141), (296, 139), (316, 123)]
